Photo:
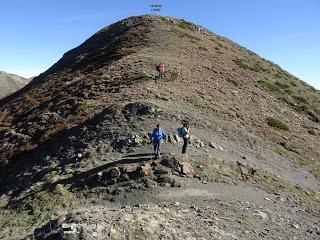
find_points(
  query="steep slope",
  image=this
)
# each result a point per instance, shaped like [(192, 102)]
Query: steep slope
[(79, 132), (10, 83)]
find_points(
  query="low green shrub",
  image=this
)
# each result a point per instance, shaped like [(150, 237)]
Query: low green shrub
[(183, 34), (203, 48), (273, 122), (140, 77), (293, 83), (269, 86), (317, 111), (282, 85), (256, 67), (167, 20), (234, 82), (300, 99), (185, 25)]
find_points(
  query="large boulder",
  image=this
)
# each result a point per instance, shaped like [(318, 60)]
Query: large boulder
[(178, 165)]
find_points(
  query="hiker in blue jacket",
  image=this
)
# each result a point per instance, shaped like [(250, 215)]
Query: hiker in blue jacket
[(157, 137)]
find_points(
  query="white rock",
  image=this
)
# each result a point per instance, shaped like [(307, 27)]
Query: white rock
[(263, 215), (212, 145)]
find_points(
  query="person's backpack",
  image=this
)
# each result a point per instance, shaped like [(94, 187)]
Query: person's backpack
[(158, 67), (180, 132)]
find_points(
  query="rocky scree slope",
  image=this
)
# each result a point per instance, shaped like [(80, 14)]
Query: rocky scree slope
[(80, 131), (10, 83)]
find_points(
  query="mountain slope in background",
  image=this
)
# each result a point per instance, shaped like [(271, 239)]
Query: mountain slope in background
[(75, 141), (10, 83)]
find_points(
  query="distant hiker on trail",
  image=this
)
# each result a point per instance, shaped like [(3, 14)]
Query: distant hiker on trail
[(160, 69), (184, 132), (157, 137)]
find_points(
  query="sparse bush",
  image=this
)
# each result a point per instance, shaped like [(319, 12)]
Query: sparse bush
[(300, 99), (316, 173), (172, 76), (282, 85), (167, 20), (185, 25), (293, 83), (234, 82), (256, 67), (203, 48), (317, 111), (140, 77), (301, 107), (312, 89), (273, 122), (240, 63), (290, 92), (182, 34), (146, 41), (269, 85)]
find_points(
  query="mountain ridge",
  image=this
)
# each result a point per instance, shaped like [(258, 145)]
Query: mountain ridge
[(10, 83), (79, 131)]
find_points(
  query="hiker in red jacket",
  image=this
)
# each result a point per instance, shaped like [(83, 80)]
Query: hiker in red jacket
[(160, 69)]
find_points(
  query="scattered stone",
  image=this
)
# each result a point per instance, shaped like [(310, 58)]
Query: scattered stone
[(215, 146), (176, 138), (114, 172), (171, 163), (197, 176), (212, 145), (296, 226), (129, 168), (166, 181), (178, 165), (187, 169), (170, 139), (145, 170), (263, 215)]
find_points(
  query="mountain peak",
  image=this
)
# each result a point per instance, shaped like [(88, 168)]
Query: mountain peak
[(80, 134)]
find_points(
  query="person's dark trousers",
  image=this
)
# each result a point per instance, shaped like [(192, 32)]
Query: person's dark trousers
[(185, 145), (156, 148), (160, 74)]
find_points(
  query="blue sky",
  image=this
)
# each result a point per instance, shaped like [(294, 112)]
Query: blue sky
[(36, 33)]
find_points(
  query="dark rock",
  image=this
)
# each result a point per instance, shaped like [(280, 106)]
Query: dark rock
[(166, 181), (171, 163), (114, 173), (178, 165), (138, 109)]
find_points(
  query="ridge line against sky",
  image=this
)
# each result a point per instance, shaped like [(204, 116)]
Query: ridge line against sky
[(36, 33)]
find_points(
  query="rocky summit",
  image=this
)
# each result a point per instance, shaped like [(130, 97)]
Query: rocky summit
[(76, 161)]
